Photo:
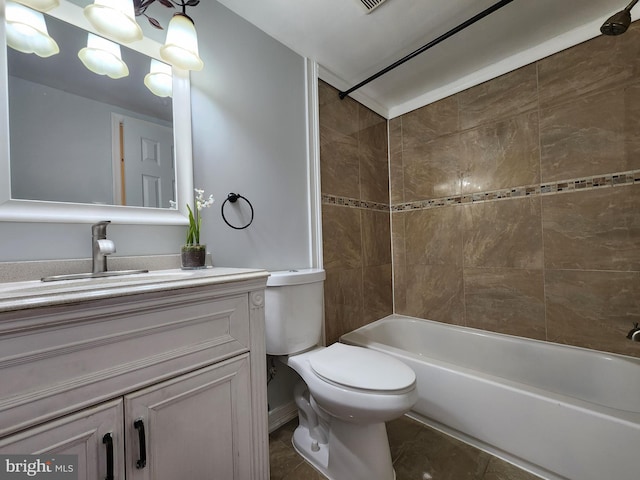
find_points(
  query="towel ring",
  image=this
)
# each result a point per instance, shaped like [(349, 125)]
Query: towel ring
[(233, 198)]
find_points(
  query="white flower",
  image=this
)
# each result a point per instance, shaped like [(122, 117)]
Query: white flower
[(200, 201), (195, 220)]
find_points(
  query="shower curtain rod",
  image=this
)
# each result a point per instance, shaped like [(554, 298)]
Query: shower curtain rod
[(426, 47)]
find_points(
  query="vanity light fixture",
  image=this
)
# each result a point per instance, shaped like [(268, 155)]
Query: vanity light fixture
[(42, 5), (159, 79), (103, 57), (27, 31), (181, 45), (114, 18)]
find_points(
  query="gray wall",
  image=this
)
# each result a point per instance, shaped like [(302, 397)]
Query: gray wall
[(249, 136)]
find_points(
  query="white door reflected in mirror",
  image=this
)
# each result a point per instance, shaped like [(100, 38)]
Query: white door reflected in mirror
[(143, 168)]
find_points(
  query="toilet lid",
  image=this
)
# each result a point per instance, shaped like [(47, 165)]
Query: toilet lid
[(362, 368)]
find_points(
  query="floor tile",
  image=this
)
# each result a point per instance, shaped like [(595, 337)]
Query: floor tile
[(418, 453)]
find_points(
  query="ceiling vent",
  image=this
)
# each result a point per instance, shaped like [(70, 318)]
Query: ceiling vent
[(371, 5)]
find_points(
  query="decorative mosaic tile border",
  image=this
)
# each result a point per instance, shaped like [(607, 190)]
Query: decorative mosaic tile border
[(551, 188), (564, 186), (353, 203)]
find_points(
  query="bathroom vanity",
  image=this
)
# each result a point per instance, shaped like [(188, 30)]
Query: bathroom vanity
[(150, 376)]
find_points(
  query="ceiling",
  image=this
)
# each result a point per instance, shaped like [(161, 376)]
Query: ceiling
[(350, 45)]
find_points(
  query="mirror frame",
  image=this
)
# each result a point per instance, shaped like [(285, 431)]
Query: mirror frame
[(13, 210)]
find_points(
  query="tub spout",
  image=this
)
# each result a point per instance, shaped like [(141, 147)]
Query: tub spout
[(634, 333)]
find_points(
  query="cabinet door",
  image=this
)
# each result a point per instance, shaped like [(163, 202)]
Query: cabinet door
[(79, 434), (196, 426)]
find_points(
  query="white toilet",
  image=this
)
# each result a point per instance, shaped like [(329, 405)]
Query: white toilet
[(348, 392)]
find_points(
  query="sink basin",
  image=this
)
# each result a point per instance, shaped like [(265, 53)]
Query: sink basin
[(77, 276), (87, 281)]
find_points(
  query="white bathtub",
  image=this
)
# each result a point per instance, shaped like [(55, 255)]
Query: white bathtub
[(560, 412)]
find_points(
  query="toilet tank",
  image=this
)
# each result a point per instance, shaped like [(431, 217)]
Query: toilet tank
[(293, 309)]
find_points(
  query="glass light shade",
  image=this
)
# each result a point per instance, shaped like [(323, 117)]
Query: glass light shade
[(103, 57), (27, 31), (114, 18), (159, 79), (42, 5), (181, 45)]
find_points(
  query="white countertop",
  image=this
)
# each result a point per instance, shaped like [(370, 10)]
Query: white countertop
[(35, 293)]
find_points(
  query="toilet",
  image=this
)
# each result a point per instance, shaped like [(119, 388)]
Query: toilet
[(347, 393)]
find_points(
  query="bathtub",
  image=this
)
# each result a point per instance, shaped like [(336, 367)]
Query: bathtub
[(557, 411)]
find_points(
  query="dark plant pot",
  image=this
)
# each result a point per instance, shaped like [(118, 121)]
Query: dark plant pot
[(193, 256)]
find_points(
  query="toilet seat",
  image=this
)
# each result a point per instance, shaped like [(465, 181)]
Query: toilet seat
[(361, 369)]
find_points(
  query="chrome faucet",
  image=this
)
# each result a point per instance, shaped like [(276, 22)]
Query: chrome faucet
[(634, 333), (100, 246)]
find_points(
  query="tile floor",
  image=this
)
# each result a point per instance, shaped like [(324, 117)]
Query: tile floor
[(418, 452)]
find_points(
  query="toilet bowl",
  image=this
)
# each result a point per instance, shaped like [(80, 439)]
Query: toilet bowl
[(347, 393)]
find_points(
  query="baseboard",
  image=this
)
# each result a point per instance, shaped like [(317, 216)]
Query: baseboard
[(281, 415)]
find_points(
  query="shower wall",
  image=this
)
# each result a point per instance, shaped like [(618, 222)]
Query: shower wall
[(516, 203), (355, 214)]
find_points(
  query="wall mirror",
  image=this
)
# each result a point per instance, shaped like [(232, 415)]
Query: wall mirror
[(82, 146)]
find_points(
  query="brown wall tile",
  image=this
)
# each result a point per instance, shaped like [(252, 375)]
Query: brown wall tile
[(593, 309), (505, 300), (599, 64), (399, 260), (376, 238), (501, 154), (374, 175), (510, 94), (378, 292), (343, 302), (341, 237), (434, 236), (428, 123), (340, 165), (598, 229), (398, 237), (373, 131), (396, 175), (338, 115), (432, 170), (592, 135), (434, 292), (504, 233), (368, 118), (356, 241)]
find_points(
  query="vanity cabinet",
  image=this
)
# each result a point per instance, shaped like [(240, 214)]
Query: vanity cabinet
[(80, 434), (194, 425), (156, 385)]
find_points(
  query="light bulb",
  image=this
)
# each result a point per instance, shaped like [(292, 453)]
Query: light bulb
[(114, 18), (159, 79), (103, 57), (42, 5), (27, 31), (181, 45)]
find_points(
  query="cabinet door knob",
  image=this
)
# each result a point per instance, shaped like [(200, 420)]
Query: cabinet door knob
[(142, 443), (108, 441)]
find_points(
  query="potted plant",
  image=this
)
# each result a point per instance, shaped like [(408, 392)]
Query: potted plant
[(193, 253)]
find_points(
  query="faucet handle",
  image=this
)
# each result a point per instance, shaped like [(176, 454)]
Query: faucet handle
[(106, 247)]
